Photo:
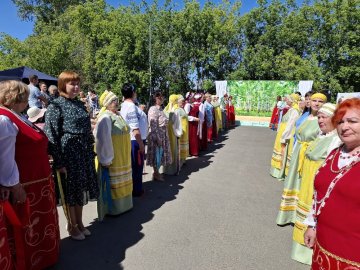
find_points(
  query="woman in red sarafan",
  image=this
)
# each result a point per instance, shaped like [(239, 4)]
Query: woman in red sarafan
[(193, 113), (334, 224), (28, 220), (275, 115), (230, 112)]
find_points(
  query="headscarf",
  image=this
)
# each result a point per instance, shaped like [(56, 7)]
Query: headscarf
[(328, 109), (102, 97), (295, 98), (172, 105), (110, 97), (319, 96), (214, 103), (105, 99), (197, 97)]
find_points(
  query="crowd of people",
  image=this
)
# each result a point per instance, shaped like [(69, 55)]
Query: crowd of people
[(73, 148), (316, 153), (70, 148)]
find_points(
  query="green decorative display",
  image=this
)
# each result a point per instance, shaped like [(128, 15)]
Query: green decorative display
[(258, 98)]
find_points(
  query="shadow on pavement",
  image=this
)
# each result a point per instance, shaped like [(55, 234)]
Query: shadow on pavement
[(105, 249)]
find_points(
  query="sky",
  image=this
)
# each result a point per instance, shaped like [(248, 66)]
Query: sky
[(11, 24)]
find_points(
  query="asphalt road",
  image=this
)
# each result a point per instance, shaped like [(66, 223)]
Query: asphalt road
[(219, 213)]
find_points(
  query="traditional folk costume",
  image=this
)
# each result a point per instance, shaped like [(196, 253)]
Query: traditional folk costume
[(202, 131), (174, 131), (158, 152), (283, 109), (305, 134), (215, 123), (284, 135), (223, 102), (193, 112), (275, 116), (31, 229), (298, 122), (314, 157), (184, 139), (209, 113), (230, 112), (218, 114), (113, 149), (336, 213)]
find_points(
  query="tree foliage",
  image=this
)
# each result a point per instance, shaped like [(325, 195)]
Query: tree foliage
[(43, 10), (193, 45)]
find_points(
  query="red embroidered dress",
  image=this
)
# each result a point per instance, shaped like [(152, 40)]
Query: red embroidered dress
[(193, 129), (230, 114), (36, 242), (274, 118), (338, 224)]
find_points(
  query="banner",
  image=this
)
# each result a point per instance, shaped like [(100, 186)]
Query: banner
[(342, 96), (258, 97)]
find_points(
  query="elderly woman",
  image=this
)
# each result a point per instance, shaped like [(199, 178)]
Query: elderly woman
[(71, 144), (335, 219), (305, 134), (209, 117), (28, 223), (158, 153), (53, 92), (175, 132), (202, 132), (113, 149), (184, 139), (283, 141), (192, 109), (315, 155), (217, 115)]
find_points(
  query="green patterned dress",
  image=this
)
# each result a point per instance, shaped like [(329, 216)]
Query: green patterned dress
[(305, 134)]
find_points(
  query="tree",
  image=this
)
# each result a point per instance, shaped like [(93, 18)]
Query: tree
[(12, 52), (43, 10), (191, 46)]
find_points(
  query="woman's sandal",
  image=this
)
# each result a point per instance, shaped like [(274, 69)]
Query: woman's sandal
[(71, 228)]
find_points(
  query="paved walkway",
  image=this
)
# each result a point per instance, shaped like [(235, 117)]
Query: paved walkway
[(218, 214)]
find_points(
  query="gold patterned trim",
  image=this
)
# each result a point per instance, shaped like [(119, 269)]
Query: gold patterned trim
[(357, 264), (36, 181)]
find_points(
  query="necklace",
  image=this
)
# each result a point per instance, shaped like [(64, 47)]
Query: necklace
[(344, 155), (332, 157)]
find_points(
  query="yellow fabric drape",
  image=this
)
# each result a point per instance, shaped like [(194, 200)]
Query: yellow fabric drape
[(305, 196), (304, 146)]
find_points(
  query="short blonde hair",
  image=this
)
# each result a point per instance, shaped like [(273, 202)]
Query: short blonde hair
[(13, 92)]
